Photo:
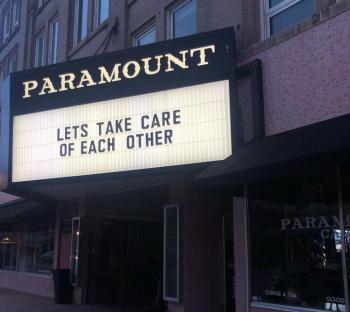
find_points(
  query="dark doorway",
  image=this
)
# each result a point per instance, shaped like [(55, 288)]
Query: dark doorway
[(128, 263), (126, 252)]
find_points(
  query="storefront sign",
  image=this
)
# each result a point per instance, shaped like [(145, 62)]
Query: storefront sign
[(176, 127), (162, 105)]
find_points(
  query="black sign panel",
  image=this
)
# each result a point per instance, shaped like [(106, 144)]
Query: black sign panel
[(168, 65), (132, 71)]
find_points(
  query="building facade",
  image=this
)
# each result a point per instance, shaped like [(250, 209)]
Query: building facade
[(254, 234)]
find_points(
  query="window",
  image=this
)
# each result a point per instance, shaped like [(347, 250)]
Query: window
[(37, 249), (172, 254), (39, 50), (8, 251), (15, 14), (101, 11), (10, 16), (296, 247), (281, 14), (81, 20), (183, 19), (12, 65), (146, 37), (6, 24), (53, 42)]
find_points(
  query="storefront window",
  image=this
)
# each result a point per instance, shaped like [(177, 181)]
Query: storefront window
[(8, 251), (345, 182), (37, 249), (296, 250)]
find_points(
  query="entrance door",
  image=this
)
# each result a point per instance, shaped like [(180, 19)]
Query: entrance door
[(229, 264), (127, 264)]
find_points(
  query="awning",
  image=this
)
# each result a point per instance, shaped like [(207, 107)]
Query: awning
[(320, 144), (15, 208)]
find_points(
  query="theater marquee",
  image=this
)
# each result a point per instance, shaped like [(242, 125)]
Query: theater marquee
[(166, 104)]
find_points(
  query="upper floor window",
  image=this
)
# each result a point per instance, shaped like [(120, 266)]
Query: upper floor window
[(10, 16), (40, 50), (80, 20), (145, 37), (101, 11), (282, 14), (183, 19), (12, 64), (53, 41), (6, 23), (16, 13), (9, 64)]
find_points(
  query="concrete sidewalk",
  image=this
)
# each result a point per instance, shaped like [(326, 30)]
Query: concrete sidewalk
[(11, 301)]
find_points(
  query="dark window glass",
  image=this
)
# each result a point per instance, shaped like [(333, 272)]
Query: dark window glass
[(147, 37), (39, 51), (12, 65), (291, 16), (184, 19), (16, 9), (296, 250), (53, 42), (81, 19), (6, 25), (8, 251), (37, 249), (101, 11)]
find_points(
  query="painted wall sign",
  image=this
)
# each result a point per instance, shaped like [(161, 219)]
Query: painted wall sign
[(165, 104)]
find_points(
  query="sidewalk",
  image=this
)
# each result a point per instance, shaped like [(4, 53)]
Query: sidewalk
[(11, 301)]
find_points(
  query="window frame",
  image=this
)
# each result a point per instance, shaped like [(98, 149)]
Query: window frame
[(6, 12), (267, 13), (76, 36), (144, 31), (53, 21), (97, 21), (171, 12), (340, 213), (37, 37), (10, 62), (15, 13)]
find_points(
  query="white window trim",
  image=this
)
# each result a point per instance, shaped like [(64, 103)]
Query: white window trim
[(144, 32), (268, 13), (36, 63), (172, 10)]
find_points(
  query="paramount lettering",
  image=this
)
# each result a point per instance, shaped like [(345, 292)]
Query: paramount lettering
[(130, 70)]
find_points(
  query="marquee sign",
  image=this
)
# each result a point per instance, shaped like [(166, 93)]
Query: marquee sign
[(165, 104)]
